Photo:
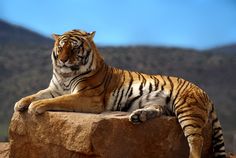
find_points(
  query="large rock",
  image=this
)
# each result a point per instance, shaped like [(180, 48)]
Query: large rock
[(107, 135), (4, 150)]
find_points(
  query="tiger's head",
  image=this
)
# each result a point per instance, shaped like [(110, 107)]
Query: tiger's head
[(75, 52)]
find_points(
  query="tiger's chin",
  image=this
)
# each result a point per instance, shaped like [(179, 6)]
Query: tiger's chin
[(66, 71)]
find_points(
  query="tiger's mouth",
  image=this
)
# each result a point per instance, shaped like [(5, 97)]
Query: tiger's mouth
[(72, 67)]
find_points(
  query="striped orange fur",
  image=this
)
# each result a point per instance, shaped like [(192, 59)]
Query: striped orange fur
[(83, 82)]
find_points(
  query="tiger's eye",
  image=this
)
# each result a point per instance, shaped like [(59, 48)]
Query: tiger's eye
[(61, 43)]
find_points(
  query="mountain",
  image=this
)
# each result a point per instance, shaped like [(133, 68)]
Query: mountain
[(16, 35), (227, 49), (25, 68)]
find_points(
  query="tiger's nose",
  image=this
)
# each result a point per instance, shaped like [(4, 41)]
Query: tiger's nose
[(63, 61)]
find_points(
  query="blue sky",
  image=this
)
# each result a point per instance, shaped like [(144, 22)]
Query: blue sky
[(196, 24)]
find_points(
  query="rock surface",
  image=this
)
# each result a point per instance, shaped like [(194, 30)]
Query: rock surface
[(107, 135), (4, 150)]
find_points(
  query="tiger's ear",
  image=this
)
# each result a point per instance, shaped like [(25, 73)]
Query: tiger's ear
[(55, 36), (91, 34)]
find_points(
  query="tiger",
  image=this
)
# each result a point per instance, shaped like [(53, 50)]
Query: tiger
[(83, 82)]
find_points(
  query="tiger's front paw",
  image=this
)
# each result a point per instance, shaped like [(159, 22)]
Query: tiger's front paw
[(142, 115), (37, 107), (22, 104)]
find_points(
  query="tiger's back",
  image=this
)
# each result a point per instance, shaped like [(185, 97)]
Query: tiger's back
[(171, 96), (134, 90)]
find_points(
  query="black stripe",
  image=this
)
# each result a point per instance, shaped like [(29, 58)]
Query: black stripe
[(157, 94), (82, 46), (113, 94), (54, 74), (182, 112), (144, 79), (85, 78), (75, 40), (191, 125), (150, 87), (186, 119), (180, 107), (108, 79), (52, 94), (193, 134), (54, 55), (138, 75), (215, 121), (121, 96), (130, 83), (114, 105), (220, 155), (85, 58), (219, 136), (116, 96), (217, 147), (156, 83), (171, 91), (183, 88), (191, 116), (178, 91), (168, 100), (131, 92), (63, 37), (96, 86), (106, 85), (216, 130), (91, 63), (180, 81), (212, 109), (162, 86), (141, 89), (118, 90), (179, 103), (73, 79), (123, 73), (55, 84), (130, 103)]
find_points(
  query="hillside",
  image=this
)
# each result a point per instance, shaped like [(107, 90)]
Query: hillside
[(227, 49), (26, 68), (17, 35)]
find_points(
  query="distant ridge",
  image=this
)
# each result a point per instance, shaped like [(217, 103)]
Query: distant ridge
[(17, 35), (226, 49)]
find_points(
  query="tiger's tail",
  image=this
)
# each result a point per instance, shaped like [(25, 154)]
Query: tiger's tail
[(217, 136)]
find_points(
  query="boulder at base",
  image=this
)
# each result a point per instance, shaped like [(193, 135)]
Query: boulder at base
[(107, 135), (4, 150)]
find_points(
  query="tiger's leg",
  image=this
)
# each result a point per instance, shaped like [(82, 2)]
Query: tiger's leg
[(146, 113), (195, 145), (192, 120), (70, 102), (23, 103), (193, 133)]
